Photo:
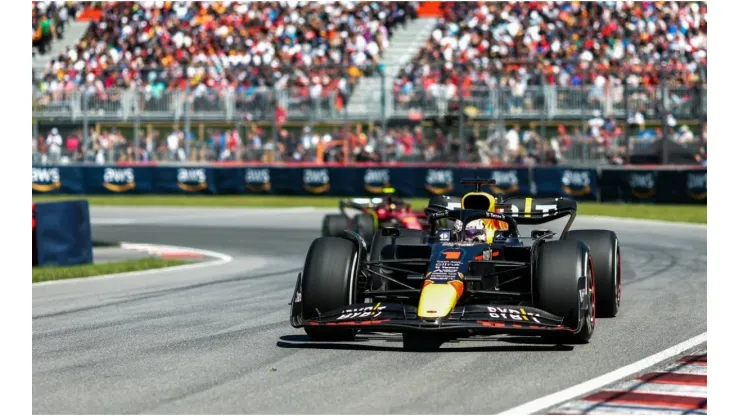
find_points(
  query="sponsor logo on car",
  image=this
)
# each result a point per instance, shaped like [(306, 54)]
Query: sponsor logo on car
[(447, 265), (359, 313), (46, 179), (496, 312), (643, 184), (440, 181), (376, 180), (316, 181), (257, 180), (119, 180), (192, 179), (576, 182)]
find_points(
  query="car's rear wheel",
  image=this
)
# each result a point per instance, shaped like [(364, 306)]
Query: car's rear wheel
[(328, 283), (563, 272), (334, 225), (364, 225), (607, 259), (379, 241)]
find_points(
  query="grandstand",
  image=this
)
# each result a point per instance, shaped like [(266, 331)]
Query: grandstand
[(511, 82)]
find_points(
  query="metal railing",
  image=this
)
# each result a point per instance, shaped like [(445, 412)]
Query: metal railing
[(479, 103)]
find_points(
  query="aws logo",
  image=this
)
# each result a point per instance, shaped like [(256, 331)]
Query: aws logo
[(507, 182), (316, 181), (46, 179), (119, 180), (576, 183), (257, 180), (696, 184), (192, 180), (440, 181), (376, 180), (643, 185)]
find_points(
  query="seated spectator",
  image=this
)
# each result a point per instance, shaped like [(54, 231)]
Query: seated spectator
[(313, 49), (600, 44)]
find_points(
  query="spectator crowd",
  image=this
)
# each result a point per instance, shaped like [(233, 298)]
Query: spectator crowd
[(48, 21), (311, 47), (321, 49), (605, 45)]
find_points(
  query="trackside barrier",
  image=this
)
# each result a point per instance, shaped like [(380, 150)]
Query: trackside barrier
[(62, 233), (653, 184)]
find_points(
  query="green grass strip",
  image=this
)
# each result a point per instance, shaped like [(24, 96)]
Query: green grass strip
[(47, 273)]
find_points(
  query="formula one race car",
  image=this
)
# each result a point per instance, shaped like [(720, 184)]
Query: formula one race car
[(375, 213), (477, 275)]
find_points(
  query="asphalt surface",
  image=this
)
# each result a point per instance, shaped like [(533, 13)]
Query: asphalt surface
[(217, 340)]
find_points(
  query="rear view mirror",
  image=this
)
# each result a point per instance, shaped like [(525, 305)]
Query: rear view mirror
[(392, 232), (540, 233)]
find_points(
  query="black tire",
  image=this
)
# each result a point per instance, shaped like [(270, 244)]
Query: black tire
[(607, 259), (334, 225), (364, 225), (329, 276), (378, 242), (558, 280)]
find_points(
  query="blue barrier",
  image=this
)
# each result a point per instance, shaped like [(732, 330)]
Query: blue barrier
[(609, 184), (63, 233)]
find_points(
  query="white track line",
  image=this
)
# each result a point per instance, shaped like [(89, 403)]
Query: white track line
[(640, 221), (221, 258), (598, 382)]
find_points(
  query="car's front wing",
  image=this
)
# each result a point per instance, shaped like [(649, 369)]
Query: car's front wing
[(397, 317)]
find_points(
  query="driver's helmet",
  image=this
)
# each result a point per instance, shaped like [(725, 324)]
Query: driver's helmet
[(475, 231)]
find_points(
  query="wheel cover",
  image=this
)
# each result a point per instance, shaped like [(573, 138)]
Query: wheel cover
[(592, 292), (618, 276)]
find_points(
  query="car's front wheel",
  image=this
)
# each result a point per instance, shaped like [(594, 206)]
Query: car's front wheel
[(564, 285), (328, 283)]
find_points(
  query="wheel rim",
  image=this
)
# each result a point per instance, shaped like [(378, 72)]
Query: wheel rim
[(618, 276), (592, 293)]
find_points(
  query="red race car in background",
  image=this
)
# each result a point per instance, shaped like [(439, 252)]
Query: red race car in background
[(374, 213)]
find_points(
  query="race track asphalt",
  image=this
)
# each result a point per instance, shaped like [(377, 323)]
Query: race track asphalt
[(217, 340)]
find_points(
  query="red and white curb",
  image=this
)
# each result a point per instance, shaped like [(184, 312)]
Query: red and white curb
[(165, 252), (218, 259), (678, 389), (576, 395)]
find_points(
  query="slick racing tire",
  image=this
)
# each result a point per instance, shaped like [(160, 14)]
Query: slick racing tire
[(328, 283), (334, 225), (364, 225), (563, 269), (607, 258), (378, 242)]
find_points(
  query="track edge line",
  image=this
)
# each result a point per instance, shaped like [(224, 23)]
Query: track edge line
[(588, 386), (221, 259)]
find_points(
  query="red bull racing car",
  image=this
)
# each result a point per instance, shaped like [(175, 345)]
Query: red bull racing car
[(472, 273), (374, 213)]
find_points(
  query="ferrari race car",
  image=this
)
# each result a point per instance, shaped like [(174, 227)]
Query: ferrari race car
[(374, 213), (473, 273)]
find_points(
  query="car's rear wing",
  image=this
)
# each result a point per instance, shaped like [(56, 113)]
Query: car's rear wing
[(537, 210)]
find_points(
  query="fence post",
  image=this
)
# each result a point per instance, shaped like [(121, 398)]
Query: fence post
[(543, 90), (460, 114), (664, 118), (701, 114), (137, 122), (383, 95), (187, 122), (85, 121)]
